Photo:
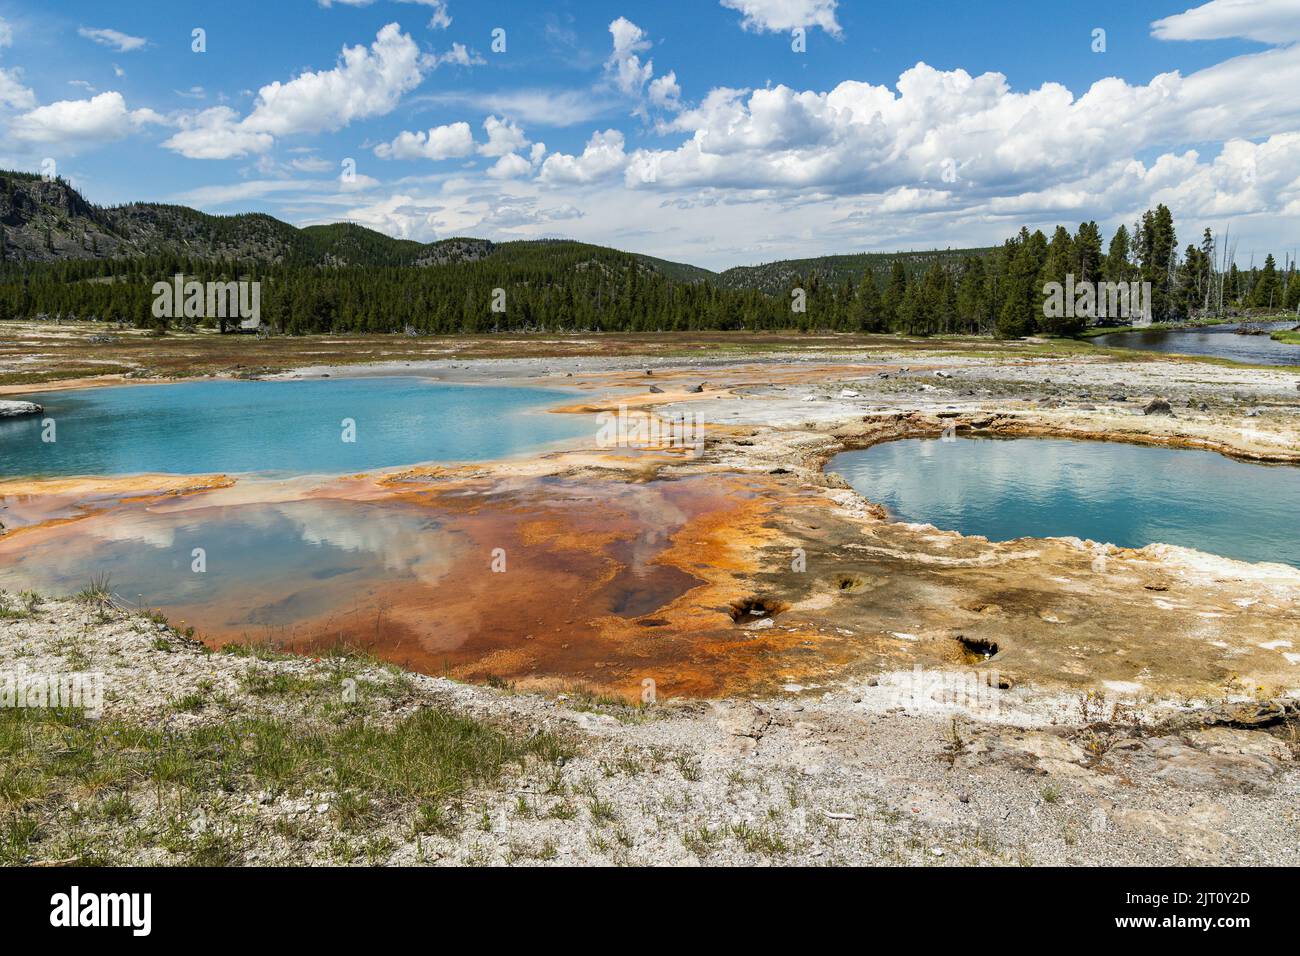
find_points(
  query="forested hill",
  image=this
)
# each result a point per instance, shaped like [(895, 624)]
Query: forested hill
[(49, 221), (775, 278), (62, 258)]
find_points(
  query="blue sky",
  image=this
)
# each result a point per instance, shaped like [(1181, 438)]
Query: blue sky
[(688, 129)]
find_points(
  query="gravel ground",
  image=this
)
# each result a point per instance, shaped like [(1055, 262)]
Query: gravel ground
[(875, 774)]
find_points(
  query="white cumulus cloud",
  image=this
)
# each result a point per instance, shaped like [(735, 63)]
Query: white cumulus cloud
[(603, 156), (440, 20), (665, 93), (13, 95), (216, 133), (624, 63), (631, 76), (861, 138), (782, 16), (366, 82), (514, 166), (442, 142), (456, 140), (510, 166), (503, 137), (458, 55), (1268, 21), (76, 123)]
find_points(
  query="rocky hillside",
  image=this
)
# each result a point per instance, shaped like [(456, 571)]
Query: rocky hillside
[(50, 221)]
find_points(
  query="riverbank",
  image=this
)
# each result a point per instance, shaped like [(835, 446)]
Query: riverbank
[(1188, 325), (1099, 330), (1241, 343)]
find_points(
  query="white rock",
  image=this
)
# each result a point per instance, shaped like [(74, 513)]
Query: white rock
[(16, 409)]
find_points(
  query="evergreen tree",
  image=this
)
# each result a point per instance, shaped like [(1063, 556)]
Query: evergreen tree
[(1057, 269), (933, 302), (972, 304), (1157, 255), (894, 294), (1022, 304), (1118, 266), (1268, 289), (1086, 260), (1292, 303), (870, 313), (948, 316), (1205, 291), (911, 311), (1233, 287)]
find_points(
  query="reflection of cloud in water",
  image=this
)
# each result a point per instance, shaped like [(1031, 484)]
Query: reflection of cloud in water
[(60, 564), (649, 512), (134, 528), (402, 540), (1125, 494), (248, 547)]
